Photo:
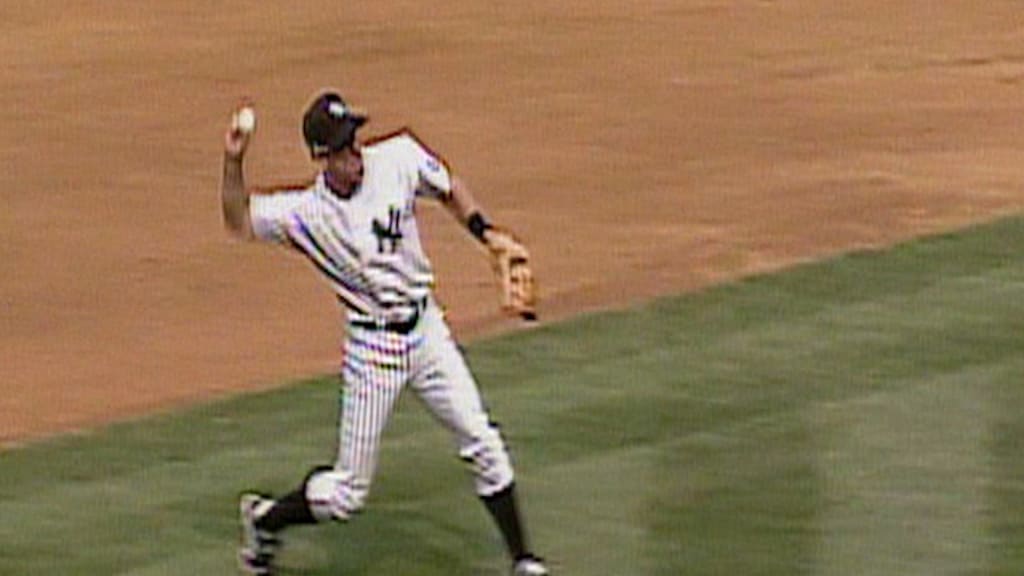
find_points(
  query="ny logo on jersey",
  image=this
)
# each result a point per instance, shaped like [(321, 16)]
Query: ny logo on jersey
[(388, 236)]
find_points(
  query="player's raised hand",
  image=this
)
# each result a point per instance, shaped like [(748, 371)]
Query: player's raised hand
[(240, 130)]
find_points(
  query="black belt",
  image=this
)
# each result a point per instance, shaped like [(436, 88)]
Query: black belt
[(402, 327)]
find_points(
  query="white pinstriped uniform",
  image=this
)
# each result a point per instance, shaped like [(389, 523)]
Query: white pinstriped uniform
[(368, 248)]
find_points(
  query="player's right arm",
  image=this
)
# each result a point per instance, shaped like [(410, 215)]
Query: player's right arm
[(233, 195)]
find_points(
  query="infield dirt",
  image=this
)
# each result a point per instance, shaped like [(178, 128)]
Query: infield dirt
[(638, 150)]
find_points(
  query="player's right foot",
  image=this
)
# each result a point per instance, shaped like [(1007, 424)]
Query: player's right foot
[(529, 566), (256, 555)]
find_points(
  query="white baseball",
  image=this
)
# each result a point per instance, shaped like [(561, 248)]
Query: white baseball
[(245, 120)]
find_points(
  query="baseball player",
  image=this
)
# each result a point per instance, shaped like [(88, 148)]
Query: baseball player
[(355, 221)]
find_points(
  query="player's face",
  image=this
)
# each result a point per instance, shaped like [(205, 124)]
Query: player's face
[(345, 168)]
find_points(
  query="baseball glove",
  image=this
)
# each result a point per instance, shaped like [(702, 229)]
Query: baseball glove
[(511, 262)]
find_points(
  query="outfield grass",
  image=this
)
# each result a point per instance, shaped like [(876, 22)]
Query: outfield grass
[(859, 416)]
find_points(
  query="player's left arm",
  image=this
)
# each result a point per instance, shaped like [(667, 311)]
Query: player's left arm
[(509, 256), (463, 206), (436, 181), (459, 201)]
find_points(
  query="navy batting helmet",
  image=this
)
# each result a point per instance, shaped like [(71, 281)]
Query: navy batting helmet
[(330, 124)]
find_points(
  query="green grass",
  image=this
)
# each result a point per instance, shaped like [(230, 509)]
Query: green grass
[(857, 416)]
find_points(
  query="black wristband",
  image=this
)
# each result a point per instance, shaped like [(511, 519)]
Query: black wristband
[(477, 225)]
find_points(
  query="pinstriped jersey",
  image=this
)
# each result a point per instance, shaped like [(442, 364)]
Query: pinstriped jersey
[(367, 246)]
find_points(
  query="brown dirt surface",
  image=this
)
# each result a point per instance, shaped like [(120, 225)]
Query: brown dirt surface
[(640, 148)]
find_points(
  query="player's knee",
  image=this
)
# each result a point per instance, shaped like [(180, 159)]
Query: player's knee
[(334, 495), (490, 462)]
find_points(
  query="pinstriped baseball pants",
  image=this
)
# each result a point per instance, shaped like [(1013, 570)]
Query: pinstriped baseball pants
[(378, 365)]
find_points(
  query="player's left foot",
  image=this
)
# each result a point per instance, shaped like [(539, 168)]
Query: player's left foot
[(529, 566), (256, 554)]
